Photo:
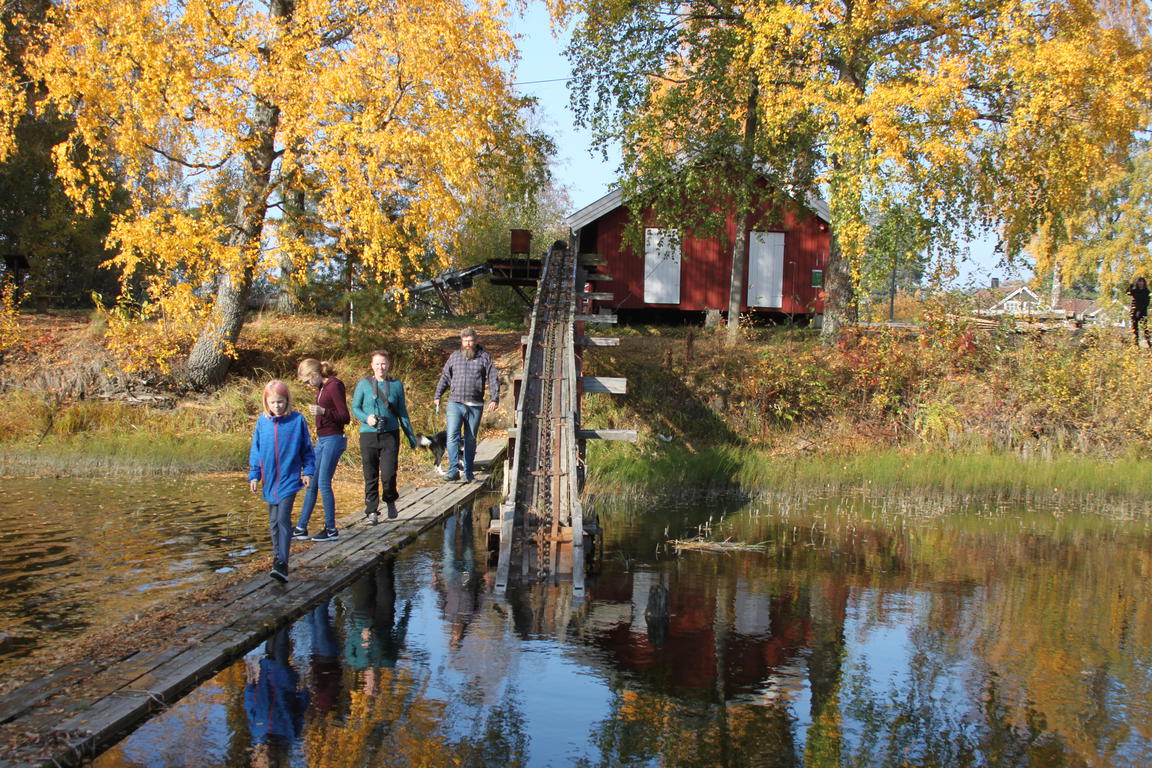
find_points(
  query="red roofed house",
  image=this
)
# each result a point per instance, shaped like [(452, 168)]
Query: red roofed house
[(784, 265)]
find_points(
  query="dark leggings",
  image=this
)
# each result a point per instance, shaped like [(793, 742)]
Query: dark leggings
[(1140, 322), (379, 452)]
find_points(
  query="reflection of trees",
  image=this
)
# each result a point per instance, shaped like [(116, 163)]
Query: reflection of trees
[(1031, 638), (645, 728)]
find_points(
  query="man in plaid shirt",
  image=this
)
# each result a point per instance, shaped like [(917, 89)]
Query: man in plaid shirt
[(465, 373)]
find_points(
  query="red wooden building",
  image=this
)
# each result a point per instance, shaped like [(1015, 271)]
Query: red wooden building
[(787, 251)]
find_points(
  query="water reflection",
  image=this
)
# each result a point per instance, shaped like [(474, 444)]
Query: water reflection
[(861, 635), (77, 551), (274, 702)]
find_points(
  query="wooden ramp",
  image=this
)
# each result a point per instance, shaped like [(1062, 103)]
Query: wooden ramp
[(70, 715)]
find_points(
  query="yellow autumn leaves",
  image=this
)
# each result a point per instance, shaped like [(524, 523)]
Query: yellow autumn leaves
[(388, 115)]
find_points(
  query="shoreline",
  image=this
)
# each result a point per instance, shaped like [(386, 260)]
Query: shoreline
[(727, 470)]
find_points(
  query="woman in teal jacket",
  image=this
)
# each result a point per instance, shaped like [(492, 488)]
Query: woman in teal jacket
[(378, 404)]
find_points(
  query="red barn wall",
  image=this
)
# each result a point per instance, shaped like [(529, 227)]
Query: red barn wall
[(706, 268)]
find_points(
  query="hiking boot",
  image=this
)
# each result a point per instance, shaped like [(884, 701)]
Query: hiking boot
[(299, 533), (373, 518), (279, 571), (392, 513), (327, 534), (452, 477)]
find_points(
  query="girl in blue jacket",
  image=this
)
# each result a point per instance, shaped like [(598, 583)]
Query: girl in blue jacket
[(282, 458)]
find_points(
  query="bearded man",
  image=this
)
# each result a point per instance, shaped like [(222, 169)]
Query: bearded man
[(465, 373)]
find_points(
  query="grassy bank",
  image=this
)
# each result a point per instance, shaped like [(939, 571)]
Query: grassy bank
[(949, 408), (616, 469)]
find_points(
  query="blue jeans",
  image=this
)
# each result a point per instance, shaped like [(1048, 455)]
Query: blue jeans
[(466, 418), (280, 525), (329, 449)]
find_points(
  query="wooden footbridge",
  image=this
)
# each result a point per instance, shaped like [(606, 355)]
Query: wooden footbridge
[(542, 531)]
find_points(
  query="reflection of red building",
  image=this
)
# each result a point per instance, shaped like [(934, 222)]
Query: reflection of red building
[(786, 254), (760, 640)]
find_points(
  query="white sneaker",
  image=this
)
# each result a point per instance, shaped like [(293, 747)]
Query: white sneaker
[(374, 518)]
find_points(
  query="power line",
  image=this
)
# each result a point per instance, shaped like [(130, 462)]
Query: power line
[(537, 82)]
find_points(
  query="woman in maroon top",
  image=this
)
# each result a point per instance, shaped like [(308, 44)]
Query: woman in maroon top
[(331, 412)]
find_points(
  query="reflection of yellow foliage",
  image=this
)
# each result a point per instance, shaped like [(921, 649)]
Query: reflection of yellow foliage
[(414, 725)]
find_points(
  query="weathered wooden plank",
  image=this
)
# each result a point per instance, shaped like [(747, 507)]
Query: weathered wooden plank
[(627, 435), (598, 295), (604, 384), (591, 259), (27, 696), (608, 319), (582, 341)]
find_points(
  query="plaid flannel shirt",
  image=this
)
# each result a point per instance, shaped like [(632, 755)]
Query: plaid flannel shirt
[(466, 378)]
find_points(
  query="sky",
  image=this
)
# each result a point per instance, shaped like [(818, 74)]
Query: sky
[(543, 72)]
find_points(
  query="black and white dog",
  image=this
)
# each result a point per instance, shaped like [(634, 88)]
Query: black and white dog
[(438, 444)]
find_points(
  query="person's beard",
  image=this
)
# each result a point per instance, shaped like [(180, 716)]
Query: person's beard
[(469, 352)]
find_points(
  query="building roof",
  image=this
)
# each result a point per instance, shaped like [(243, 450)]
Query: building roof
[(615, 199), (1079, 306), (990, 298)]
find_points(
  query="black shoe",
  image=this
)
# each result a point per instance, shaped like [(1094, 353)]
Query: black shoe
[(452, 477), (279, 571), (392, 513), (299, 533), (469, 478), (327, 534)]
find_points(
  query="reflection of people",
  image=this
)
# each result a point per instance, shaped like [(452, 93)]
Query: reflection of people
[(1138, 290), (378, 403), (281, 453), (465, 373), (373, 635), (461, 586), (331, 413), (273, 702), (325, 659)]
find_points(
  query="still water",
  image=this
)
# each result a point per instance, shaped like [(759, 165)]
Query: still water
[(75, 552), (899, 632)]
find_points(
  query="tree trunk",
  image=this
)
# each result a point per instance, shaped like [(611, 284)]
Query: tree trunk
[(838, 293), (740, 247), (211, 354), (286, 300), (1056, 286)]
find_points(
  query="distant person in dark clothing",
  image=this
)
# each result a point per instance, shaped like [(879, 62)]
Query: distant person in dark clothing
[(1139, 293), (467, 371)]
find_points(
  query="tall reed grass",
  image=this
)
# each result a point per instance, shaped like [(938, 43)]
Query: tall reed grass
[(751, 472)]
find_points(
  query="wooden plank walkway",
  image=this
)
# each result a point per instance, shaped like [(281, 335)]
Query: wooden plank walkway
[(75, 712)]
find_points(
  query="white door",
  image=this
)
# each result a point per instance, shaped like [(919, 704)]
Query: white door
[(661, 266), (766, 269)]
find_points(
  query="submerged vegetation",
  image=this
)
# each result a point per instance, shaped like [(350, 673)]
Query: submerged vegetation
[(949, 408)]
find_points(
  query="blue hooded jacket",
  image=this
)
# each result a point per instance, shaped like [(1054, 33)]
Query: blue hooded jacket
[(281, 453)]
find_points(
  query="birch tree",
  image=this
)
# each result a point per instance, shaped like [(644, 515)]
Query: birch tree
[(389, 114), (969, 112)]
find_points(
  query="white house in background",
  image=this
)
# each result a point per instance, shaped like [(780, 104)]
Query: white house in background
[(1012, 298)]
